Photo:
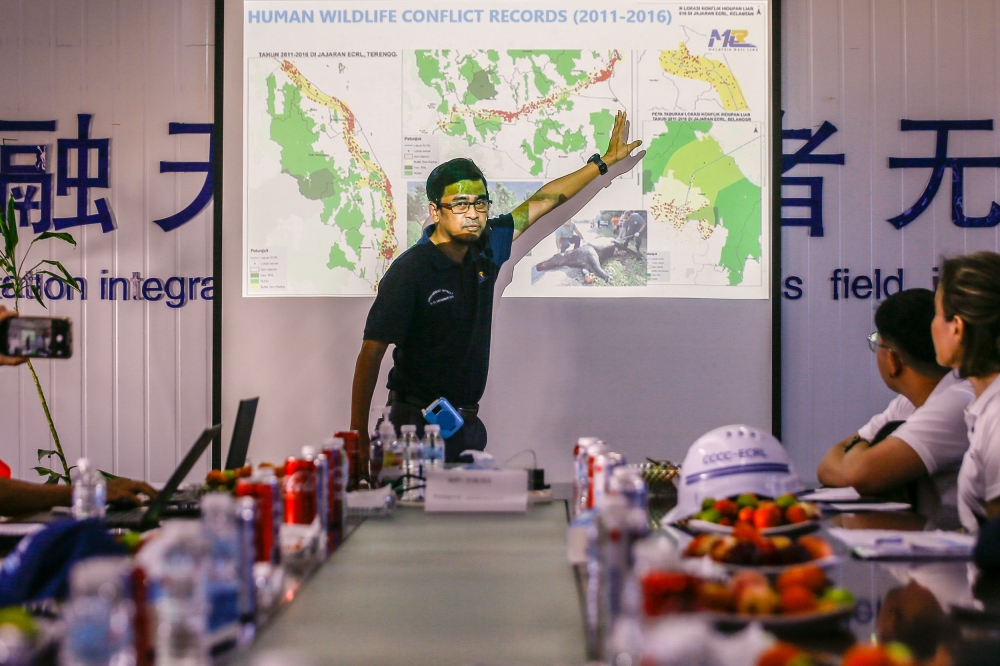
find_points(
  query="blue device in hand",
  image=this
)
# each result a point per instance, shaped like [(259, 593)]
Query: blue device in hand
[(445, 415)]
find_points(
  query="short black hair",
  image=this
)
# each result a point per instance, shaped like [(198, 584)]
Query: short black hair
[(970, 289), (449, 173), (903, 321)]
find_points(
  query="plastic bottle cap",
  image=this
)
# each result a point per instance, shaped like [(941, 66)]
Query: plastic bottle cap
[(386, 413), (216, 502), (92, 576), (83, 464), (308, 452), (587, 441), (336, 443), (432, 428), (409, 428)]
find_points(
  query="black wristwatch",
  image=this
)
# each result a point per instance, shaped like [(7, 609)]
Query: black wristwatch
[(857, 439), (601, 166)]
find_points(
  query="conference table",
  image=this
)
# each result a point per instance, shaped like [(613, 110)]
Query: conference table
[(425, 588)]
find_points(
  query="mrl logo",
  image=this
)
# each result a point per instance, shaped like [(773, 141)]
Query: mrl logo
[(731, 39)]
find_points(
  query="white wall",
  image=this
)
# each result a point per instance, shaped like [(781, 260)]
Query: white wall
[(863, 65), (137, 391)]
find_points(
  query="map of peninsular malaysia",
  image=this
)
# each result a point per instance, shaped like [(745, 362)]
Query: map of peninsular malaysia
[(338, 149), (321, 212)]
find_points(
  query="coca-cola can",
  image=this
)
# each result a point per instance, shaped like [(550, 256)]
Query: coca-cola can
[(300, 491), (335, 451), (266, 491), (352, 448)]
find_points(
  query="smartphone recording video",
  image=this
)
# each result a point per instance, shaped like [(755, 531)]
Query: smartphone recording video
[(36, 337)]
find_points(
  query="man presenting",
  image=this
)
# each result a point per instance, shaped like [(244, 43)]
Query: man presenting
[(435, 303)]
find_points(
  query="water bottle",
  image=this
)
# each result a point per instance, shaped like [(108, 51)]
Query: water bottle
[(433, 447), (99, 615), (181, 606), (413, 464), (392, 452), (90, 491), (382, 437), (223, 564)]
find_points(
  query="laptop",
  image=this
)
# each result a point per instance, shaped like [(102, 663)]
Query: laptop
[(240, 443), (147, 517)]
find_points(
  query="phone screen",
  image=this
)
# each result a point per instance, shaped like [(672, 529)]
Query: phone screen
[(38, 337)]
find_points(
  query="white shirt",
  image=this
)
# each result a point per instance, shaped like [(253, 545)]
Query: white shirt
[(936, 432), (979, 478)]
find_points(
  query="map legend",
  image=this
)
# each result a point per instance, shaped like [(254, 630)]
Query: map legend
[(420, 155), (267, 269)]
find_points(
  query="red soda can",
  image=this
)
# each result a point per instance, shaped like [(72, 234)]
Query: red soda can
[(266, 491), (335, 451), (300, 491), (352, 447)]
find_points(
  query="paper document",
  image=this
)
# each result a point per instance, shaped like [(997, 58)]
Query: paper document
[(870, 506), (831, 495), (20, 529), (874, 544)]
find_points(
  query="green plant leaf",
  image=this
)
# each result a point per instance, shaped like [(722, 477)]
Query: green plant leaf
[(48, 453), (69, 280), (37, 294), (10, 233), (108, 476), (43, 471), (55, 234)]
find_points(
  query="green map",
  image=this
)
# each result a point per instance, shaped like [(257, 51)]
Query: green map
[(703, 205), (517, 112), (337, 233)]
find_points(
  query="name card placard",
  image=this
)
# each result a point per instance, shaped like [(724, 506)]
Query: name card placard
[(476, 490)]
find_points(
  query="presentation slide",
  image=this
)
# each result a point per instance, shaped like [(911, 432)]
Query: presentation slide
[(350, 105)]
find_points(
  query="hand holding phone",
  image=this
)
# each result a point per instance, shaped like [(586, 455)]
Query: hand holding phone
[(33, 337), (8, 360)]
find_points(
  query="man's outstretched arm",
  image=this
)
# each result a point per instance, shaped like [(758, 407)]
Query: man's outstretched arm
[(365, 378), (563, 189)]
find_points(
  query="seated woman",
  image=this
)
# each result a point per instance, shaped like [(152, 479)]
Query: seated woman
[(966, 331), (919, 460)]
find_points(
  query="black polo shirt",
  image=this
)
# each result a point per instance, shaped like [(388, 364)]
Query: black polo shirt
[(439, 314)]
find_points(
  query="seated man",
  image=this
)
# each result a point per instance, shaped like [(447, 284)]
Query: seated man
[(928, 447), (21, 497)]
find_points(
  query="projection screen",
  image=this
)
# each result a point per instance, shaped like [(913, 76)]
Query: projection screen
[(651, 325)]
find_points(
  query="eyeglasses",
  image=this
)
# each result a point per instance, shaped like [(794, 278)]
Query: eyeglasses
[(460, 207), (874, 344)]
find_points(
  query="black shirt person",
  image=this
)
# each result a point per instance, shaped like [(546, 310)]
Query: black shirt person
[(435, 303)]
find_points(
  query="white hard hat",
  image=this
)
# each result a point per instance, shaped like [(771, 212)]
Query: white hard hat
[(731, 460)]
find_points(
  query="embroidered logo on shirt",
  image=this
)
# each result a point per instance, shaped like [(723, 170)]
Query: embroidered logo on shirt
[(482, 277), (439, 296)]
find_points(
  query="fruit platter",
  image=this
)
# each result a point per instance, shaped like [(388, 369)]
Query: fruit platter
[(800, 597), (225, 480), (784, 514), (746, 546)]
